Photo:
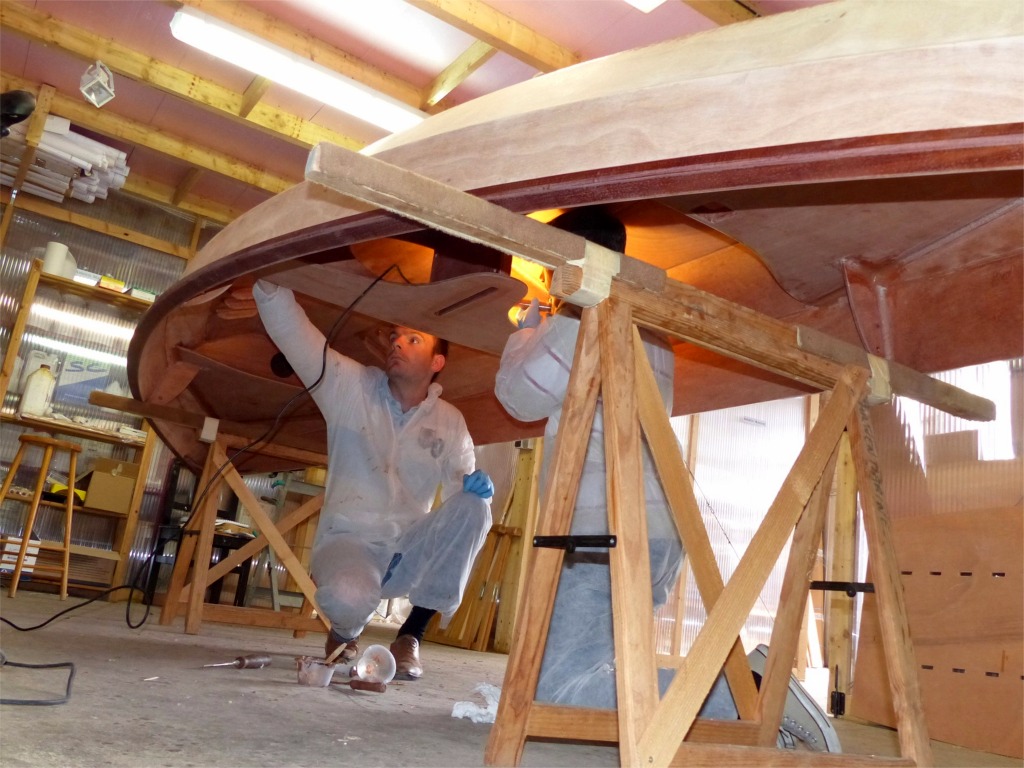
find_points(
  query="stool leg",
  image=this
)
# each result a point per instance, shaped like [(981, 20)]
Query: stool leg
[(9, 480), (69, 508), (30, 518)]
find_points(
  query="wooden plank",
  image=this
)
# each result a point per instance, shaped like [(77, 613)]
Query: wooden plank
[(204, 511), (903, 380), (186, 550), (18, 330), (267, 529), (483, 22), (686, 694), (840, 565), (33, 24), (243, 553), (508, 735), (744, 334), (675, 481), (962, 575), (789, 618), (126, 531), (895, 630), (636, 674), (523, 516), (468, 62), (675, 308)]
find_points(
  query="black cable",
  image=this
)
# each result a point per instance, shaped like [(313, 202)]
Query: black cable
[(270, 432), (40, 702)]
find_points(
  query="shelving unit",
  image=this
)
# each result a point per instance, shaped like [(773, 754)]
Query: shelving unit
[(83, 574)]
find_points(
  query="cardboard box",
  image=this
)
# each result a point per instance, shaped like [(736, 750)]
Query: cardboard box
[(110, 484), (9, 555)]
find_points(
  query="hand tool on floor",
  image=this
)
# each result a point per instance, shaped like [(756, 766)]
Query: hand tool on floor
[(254, 661)]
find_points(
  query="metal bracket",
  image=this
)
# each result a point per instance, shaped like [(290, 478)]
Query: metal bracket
[(851, 588), (570, 543)]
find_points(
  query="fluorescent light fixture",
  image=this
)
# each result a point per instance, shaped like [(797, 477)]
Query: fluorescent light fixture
[(74, 349), (286, 68), (87, 324), (645, 5)]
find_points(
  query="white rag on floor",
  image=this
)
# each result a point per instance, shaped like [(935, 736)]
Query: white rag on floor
[(475, 712)]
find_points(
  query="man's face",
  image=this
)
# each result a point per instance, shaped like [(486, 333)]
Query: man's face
[(411, 355)]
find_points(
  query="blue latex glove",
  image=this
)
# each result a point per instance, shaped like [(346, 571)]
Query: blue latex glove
[(531, 317), (478, 483)]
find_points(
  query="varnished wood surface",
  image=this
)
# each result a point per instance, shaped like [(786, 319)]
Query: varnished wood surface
[(762, 162)]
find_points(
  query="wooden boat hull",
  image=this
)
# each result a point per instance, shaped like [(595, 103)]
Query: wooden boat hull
[(838, 167)]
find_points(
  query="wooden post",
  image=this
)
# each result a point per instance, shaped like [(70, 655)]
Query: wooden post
[(20, 321), (892, 609)]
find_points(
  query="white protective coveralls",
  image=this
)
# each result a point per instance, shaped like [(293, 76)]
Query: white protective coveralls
[(377, 537), (579, 658)]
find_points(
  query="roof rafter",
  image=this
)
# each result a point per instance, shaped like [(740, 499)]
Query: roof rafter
[(500, 31), (81, 113), (43, 28), (247, 16)]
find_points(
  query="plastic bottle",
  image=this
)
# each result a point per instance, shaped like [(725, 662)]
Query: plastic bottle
[(38, 391)]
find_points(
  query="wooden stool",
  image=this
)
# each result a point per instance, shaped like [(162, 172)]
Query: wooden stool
[(49, 445)]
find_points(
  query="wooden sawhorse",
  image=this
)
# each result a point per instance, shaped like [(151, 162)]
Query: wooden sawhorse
[(650, 731), (620, 291), (197, 545)]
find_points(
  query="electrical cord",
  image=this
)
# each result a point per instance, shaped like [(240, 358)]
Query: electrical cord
[(40, 702), (267, 435)]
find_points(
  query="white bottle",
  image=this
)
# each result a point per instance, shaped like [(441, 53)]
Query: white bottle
[(38, 391)]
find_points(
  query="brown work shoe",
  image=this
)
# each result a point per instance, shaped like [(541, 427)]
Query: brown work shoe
[(351, 652), (406, 650)]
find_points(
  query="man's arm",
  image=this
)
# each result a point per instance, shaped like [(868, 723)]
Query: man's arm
[(289, 328), (534, 370)]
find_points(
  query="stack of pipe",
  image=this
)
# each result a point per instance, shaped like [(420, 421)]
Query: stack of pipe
[(66, 164)]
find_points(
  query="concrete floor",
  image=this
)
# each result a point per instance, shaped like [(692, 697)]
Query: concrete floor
[(141, 697)]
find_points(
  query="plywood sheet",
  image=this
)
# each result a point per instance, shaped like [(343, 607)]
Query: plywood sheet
[(963, 576)]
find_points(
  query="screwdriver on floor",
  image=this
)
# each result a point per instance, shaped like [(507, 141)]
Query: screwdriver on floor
[(255, 661)]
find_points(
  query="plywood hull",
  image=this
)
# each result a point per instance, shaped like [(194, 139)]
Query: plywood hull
[(839, 167)]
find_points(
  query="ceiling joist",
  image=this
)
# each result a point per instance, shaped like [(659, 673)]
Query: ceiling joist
[(500, 31), (43, 28), (85, 115), (247, 16)]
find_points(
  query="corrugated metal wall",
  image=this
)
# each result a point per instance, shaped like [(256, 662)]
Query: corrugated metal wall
[(70, 327)]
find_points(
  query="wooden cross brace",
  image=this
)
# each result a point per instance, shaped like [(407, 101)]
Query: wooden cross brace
[(617, 292), (196, 547), (649, 730)]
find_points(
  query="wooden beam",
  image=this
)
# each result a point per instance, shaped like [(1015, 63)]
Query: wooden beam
[(106, 122), (247, 16), (192, 176), (59, 213), (669, 306), (148, 189), (500, 31), (36, 123), (900, 659), (468, 62), (678, 708), (252, 95), (41, 27), (771, 344), (722, 12), (676, 483)]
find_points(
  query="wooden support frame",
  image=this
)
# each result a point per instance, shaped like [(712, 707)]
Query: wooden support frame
[(196, 548), (657, 732), (618, 291)]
